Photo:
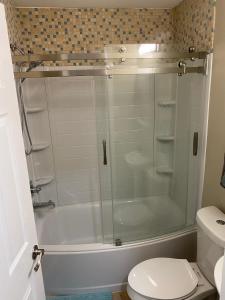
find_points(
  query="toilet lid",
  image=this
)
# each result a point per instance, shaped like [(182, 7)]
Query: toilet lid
[(163, 278)]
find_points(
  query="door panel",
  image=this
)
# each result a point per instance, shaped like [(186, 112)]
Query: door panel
[(17, 227)]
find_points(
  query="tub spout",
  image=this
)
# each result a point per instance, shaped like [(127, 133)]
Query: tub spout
[(50, 203)]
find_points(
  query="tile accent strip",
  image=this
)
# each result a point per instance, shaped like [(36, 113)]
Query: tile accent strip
[(53, 30)]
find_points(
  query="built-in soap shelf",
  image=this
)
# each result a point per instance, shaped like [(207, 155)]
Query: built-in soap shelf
[(166, 103), (33, 110), (43, 180), (164, 170), (165, 138), (40, 147)]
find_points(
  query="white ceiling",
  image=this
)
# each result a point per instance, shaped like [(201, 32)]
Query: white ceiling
[(99, 3)]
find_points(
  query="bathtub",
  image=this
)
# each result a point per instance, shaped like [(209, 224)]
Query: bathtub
[(70, 268)]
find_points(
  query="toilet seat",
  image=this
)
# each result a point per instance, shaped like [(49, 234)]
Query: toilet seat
[(163, 278)]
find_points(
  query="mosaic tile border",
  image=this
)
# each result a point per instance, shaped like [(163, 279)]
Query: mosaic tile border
[(194, 23), (75, 30), (53, 30)]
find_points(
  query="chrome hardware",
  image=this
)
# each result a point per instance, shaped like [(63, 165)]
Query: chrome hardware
[(37, 254), (104, 152), (191, 49), (122, 49), (105, 72), (195, 144), (103, 56), (108, 54), (34, 189), (37, 205), (122, 60), (182, 65), (220, 222)]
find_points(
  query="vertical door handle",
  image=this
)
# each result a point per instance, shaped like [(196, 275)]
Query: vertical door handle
[(104, 152), (195, 143), (37, 255)]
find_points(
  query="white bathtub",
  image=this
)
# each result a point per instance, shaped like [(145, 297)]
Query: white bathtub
[(69, 225), (71, 268)]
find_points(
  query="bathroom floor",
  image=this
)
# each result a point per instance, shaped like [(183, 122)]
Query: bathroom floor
[(94, 296), (120, 296)]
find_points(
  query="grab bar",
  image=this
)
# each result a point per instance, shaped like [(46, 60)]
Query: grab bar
[(104, 152)]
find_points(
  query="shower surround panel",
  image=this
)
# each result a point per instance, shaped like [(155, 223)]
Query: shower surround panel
[(73, 128)]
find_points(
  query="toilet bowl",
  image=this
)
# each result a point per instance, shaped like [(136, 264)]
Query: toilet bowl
[(177, 279), (169, 278)]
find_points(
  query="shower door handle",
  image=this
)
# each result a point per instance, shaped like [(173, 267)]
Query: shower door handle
[(104, 152), (195, 144)]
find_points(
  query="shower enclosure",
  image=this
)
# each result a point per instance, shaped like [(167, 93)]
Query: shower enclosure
[(117, 143)]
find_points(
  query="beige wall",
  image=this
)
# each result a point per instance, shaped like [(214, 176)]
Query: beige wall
[(214, 194)]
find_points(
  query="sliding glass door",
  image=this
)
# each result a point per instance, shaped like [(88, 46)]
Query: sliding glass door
[(146, 127)]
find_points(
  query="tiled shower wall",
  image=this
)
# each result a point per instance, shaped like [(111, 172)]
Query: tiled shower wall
[(193, 22), (12, 21), (73, 127), (72, 30), (44, 30)]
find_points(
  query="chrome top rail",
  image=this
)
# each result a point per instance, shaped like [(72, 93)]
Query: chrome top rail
[(108, 72), (107, 56)]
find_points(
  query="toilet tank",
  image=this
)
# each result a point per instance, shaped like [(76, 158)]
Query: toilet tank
[(210, 239)]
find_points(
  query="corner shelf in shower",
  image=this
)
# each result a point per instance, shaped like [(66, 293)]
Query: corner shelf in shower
[(44, 180), (33, 110), (40, 146), (164, 170), (166, 103), (165, 138)]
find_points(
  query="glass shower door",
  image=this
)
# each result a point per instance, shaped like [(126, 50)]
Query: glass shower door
[(148, 130), (142, 111), (131, 123), (104, 161)]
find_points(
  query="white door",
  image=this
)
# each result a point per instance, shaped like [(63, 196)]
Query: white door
[(18, 280)]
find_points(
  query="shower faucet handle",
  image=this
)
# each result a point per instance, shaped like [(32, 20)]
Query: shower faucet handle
[(34, 189)]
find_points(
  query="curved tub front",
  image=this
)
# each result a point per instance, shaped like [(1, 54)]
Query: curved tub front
[(72, 268)]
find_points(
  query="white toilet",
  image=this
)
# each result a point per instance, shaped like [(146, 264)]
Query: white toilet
[(169, 278)]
